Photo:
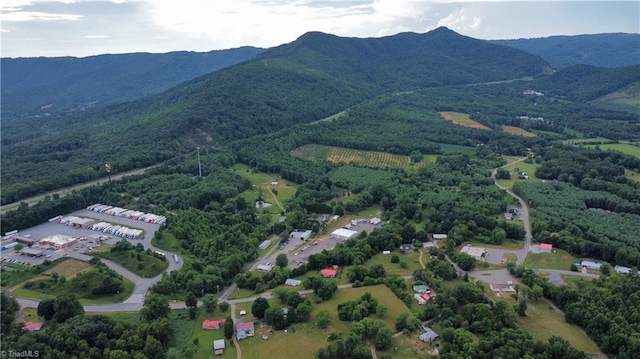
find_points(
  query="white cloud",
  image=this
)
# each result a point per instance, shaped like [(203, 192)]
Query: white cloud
[(95, 36), (36, 16), (460, 21)]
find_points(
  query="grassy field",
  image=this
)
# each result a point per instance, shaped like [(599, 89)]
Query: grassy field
[(627, 148), (508, 244), (590, 140), (262, 185), (559, 259), (376, 159), (410, 259), (241, 293), (462, 119), (144, 264), (528, 168), (68, 268), (304, 339), (542, 321), (518, 131)]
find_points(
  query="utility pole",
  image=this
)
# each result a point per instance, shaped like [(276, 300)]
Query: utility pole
[(199, 165)]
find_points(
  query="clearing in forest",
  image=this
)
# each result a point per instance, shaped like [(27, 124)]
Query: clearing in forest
[(376, 159), (518, 131), (462, 119)]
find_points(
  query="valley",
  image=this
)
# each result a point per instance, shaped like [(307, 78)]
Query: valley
[(320, 214)]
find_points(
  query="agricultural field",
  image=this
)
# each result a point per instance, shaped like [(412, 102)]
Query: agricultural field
[(627, 148), (518, 131), (313, 152), (587, 141), (462, 119)]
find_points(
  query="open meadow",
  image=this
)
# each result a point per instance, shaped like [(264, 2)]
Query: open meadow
[(518, 131), (462, 119), (559, 259), (515, 169)]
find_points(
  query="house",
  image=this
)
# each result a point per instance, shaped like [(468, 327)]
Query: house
[(302, 235), (218, 346), (343, 234), (590, 265), (329, 273), (433, 244), (292, 282), (265, 244), (406, 248), (375, 221), (245, 330), (421, 288), (32, 326), (426, 296), (212, 324), (428, 335), (439, 236), (508, 216), (419, 299), (622, 270), (546, 248)]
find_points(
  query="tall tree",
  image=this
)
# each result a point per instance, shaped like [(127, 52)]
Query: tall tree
[(210, 302), (259, 306), (46, 309), (155, 306), (66, 306), (228, 328)]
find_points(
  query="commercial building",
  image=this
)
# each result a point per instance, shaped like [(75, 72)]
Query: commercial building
[(343, 234)]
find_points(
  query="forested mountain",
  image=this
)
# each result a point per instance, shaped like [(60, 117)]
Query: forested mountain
[(603, 50), (41, 85), (311, 78)]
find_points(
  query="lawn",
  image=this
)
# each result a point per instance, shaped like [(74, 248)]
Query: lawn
[(559, 259), (144, 264), (307, 338), (410, 259), (518, 131), (241, 293)]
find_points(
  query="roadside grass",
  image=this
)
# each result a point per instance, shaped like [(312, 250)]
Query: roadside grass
[(144, 264), (573, 280), (44, 288), (559, 259), (543, 322), (518, 131), (241, 293), (508, 244), (528, 168)]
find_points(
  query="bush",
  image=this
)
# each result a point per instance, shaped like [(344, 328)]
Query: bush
[(395, 258)]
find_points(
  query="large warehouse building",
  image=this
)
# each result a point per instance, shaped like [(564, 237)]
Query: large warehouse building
[(343, 234)]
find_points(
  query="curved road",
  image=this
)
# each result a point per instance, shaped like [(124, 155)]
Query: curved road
[(142, 285), (524, 214)]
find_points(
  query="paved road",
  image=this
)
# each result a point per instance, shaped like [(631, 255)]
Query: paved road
[(524, 215), (64, 191)]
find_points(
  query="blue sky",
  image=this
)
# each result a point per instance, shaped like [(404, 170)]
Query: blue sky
[(90, 27)]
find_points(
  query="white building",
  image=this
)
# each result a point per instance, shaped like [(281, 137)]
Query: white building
[(343, 234), (303, 235)]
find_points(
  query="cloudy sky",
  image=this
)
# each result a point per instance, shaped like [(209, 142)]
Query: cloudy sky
[(91, 27)]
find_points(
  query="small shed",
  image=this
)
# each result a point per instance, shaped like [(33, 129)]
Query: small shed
[(428, 335), (264, 268), (590, 265), (437, 236), (218, 346), (421, 288), (546, 248), (375, 221), (292, 282)]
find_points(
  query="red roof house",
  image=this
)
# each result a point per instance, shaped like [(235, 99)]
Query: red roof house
[(546, 247), (212, 324), (329, 273), (32, 326)]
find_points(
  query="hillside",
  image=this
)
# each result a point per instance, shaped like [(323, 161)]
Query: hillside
[(603, 50), (41, 85), (313, 77)]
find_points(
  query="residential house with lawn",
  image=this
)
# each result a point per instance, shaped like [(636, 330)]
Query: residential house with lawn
[(245, 330), (329, 273), (212, 324)]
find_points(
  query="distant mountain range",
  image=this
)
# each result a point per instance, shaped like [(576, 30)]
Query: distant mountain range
[(603, 50), (45, 85)]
